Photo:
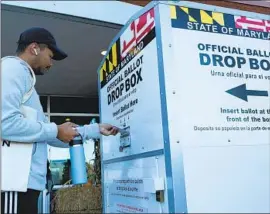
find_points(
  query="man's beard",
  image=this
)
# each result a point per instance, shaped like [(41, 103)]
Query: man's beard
[(39, 71)]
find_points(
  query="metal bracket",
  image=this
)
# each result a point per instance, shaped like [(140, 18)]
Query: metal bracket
[(125, 139), (160, 196)]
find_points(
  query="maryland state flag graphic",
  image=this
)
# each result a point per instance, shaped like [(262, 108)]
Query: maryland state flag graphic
[(184, 15), (112, 60)]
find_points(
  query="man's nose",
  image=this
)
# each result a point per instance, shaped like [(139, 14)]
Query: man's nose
[(48, 67)]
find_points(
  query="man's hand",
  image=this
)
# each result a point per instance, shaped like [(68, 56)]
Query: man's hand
[(107, 129), (66, 132)]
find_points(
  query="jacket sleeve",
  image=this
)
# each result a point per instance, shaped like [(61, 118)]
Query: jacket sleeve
[(90, 131), (56, 142), (87, 132), (15, 83)]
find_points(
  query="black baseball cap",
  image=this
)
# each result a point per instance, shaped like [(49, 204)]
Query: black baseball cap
[(42, 36)]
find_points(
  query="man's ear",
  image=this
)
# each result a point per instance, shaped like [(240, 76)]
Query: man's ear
[(34, 48)]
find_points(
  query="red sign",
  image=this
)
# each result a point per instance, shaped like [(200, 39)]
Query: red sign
[(252, 24), (136, 31)]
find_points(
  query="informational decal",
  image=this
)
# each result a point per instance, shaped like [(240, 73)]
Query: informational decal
[(225, 81), (129, 82), (221, 23), (129, 195)]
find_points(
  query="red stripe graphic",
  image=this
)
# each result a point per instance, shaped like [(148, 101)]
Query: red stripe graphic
[(243, 22)]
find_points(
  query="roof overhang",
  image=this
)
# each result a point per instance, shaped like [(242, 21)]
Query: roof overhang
[(82, 38), (261, 3)]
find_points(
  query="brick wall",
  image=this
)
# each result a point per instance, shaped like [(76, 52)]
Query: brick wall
[(221, 3)]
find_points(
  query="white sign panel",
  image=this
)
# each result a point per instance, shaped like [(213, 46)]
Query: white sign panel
[(222, 109), (129, 94), (224, 74)]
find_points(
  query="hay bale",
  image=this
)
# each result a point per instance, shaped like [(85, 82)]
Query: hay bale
[(78, 199)]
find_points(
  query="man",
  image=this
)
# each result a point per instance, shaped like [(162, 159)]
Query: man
[(36, 50)]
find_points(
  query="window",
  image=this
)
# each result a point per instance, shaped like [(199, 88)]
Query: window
[(80, 120), (80, 111), (60, 170), (74, 105), (44, 101)]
